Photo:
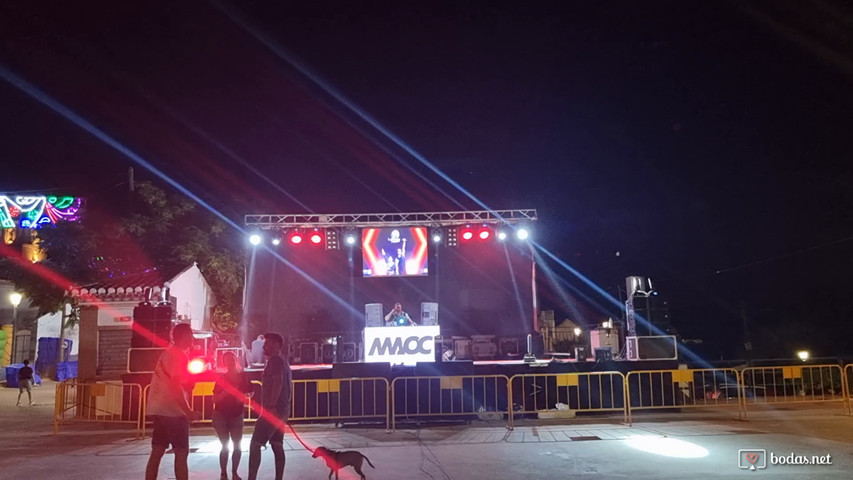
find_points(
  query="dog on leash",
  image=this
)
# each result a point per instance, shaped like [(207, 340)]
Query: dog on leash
[(336, 460)]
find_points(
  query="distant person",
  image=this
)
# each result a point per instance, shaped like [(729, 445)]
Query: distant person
[(257, 354), (25, 382), (398, 318), (168, 405), (394, 253), (228, 395), (275, 403)]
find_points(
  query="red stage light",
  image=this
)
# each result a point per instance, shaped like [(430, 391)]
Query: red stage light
[(484, 234), (467, 235), (316, 238), (296, 238)]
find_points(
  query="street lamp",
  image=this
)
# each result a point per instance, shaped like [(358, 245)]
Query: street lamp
[(577, 332), (803, 355), (15, 298)]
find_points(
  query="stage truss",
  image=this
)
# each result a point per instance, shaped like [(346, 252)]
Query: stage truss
[(356, 220)]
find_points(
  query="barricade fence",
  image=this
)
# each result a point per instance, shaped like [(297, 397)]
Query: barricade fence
[(464, 396), (683, 388), (97, 402), (562, 395), (794, 384), (487, 397)]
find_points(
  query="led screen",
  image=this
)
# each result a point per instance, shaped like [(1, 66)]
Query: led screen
[(394, 251)]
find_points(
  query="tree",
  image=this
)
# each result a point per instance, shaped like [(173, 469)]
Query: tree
[(169, 230)]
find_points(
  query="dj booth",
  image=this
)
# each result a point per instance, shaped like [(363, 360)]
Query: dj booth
[(406, 344)]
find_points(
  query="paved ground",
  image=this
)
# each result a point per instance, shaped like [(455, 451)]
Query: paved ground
[(694, 445)]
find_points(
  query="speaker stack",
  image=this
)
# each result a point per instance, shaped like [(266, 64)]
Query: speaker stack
[(429, 313), (373, 315), (328, 351), (308, 353), (152, 326)]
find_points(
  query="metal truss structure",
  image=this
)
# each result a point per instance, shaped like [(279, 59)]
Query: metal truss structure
[(355, 220)]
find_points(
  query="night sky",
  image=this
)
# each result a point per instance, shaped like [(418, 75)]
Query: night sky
[(709, 146)]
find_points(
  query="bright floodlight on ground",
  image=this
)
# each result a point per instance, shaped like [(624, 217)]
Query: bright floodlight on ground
[(350, 239), (522, 233), (803, 355), (255, 239), (667, 447)]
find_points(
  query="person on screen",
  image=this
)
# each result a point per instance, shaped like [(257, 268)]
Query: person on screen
[(398, 318), (394, 253)]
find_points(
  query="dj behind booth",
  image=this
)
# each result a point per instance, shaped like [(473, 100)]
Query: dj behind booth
[(398, 318), (399, 339)]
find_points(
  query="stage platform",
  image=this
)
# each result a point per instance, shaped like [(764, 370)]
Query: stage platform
[(455, 368)]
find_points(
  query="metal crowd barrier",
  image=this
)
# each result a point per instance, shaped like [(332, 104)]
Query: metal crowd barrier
[(341, 399), (793, 384), (848, 377), (467, 396), (541, 393), (683, 388), (97, 402)]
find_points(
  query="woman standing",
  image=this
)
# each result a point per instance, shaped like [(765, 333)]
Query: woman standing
[(229, 394)]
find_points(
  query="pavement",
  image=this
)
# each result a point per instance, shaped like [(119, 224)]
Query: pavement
[(690, 444)]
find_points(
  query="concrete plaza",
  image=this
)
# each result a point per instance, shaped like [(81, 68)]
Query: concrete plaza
[(690, 444)]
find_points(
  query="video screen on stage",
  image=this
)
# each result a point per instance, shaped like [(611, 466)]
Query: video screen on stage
[(394, 251)]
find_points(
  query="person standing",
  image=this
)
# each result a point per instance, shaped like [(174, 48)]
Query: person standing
[(25, 382), (168, 405), (228, 395), (275, 407)]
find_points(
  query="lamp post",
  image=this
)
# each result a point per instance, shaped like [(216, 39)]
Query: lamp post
[(15, 298)]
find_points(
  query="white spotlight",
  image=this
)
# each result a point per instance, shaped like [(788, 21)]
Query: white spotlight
[(436, 237), (522, 233), (350, 239), (501, 235), (276, 241), (255, 239)]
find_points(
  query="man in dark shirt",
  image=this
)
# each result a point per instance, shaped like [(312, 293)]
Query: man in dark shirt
[(275, 403), (25, 382)]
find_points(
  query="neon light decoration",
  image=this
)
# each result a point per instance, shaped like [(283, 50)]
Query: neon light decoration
[(34, 211)]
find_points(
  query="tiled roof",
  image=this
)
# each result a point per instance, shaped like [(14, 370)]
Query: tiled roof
[(128, 287)]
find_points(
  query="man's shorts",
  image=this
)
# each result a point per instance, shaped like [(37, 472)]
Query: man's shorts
[(25, 386), (171, 430), (269, 428)]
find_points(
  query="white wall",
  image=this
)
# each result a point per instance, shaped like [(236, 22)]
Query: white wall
[(48, 326), (194, 298)]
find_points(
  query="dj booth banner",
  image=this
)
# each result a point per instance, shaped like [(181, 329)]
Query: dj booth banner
[(408, 344)]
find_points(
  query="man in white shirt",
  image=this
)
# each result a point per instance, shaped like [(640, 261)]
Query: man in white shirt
[(168, 405)]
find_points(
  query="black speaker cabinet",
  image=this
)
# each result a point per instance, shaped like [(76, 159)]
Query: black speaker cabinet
[(308, 353), (347, 352), (327, 353), (152, 326), (143, 360), (603, 354)]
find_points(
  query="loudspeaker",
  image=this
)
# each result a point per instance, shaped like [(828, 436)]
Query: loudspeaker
[(308, 353), (603, 354), (661, 347), (429, 313), (508, 346), (347, 352), (373, 315), (328, 353), (152, 326), (143, 360), (581, 353)]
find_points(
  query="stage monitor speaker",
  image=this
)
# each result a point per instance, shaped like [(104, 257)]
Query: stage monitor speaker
[(347, 352), (328, 353), (508, 346), (373, 315), (308, 353), (143, 360), (661, 347), (581, 353), (429, 313), (603, 354)]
